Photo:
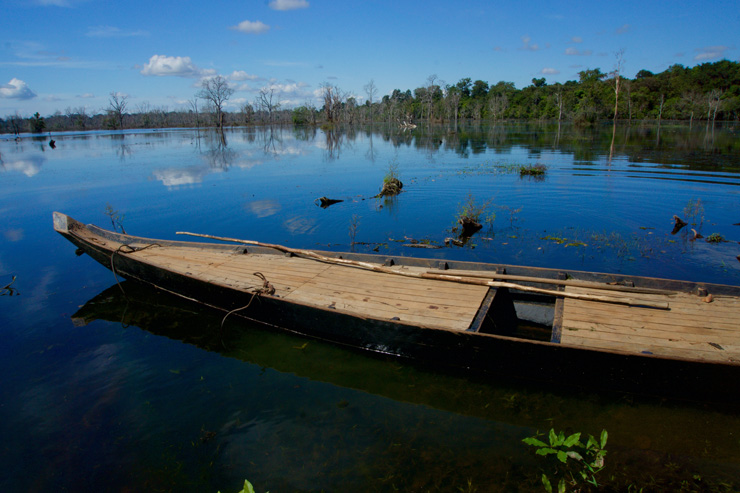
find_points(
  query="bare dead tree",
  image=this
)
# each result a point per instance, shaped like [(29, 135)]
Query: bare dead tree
[(431, 88), (117, 107), (193, 103), (497, 105), (216, 91), (714, 101), (333, 99), (77, 116), (453, 102), (312, 110), (559, 103), (372, 93), (691, 101), (616, 80), (268, 101), (247, 113)]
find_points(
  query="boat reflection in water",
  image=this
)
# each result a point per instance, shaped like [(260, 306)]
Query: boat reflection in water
[(644, 433)]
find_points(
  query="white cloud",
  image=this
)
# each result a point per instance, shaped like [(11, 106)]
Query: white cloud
[(16, 89), (527, 46), (290, 88), (112, 32), (549, 71), (179, 66), (288, 4), (251, 27), (710, 52), (240, 75), (577, 39), (575, 52), (29, 166), (623, 29), (180, 177), (87, 95)]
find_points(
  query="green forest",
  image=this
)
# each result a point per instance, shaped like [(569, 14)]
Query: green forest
[(709, 92)]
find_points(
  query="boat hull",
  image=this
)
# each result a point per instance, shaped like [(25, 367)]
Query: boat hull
[(489, 353)]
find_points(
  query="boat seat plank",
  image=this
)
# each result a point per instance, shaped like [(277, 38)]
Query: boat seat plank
[(689, 329), (362, 292)]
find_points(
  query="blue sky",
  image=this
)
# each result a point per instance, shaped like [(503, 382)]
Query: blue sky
[(58, 54)]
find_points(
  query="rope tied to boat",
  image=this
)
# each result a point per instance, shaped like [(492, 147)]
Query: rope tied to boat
[(124, 248), (267, 288)]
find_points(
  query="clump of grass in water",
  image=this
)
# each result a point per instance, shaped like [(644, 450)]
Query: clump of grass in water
[(532, 170), (715, 238), (471, 214), (392, 185)]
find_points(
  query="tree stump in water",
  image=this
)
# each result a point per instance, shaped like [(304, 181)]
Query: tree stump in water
[(325, 202), (391, 187), (469, 226), (680, 223)]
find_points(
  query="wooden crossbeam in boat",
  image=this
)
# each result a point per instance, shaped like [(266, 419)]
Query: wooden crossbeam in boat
[(661, 305)]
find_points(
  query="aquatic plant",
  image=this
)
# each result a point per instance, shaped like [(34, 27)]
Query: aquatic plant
[(513, 213), (353, 225), (248, 488), (471, 213), (392, 185), (693, 211), (116, 218), (578, 462), (532, 170), (715, 238), (8, 289)]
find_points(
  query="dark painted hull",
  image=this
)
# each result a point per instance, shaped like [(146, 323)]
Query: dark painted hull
[(493, 354)]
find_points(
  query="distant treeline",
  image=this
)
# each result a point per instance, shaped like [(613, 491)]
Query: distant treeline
[(710, 91)]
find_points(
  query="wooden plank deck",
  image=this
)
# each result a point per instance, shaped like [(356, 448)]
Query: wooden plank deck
[(364, 293), (690, 329)]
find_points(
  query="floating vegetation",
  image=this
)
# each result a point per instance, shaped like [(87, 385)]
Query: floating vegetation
[(715, 238), (489, 168), (537, 170), (556, 239), (560, 241), (623, 246)]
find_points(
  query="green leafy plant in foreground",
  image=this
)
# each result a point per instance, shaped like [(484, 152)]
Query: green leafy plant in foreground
[(248, 488), (578, 462)]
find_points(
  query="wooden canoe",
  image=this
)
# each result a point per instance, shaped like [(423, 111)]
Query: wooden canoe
[(600, 330)]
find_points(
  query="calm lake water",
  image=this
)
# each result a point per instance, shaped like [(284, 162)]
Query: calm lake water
[(141, 392)]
